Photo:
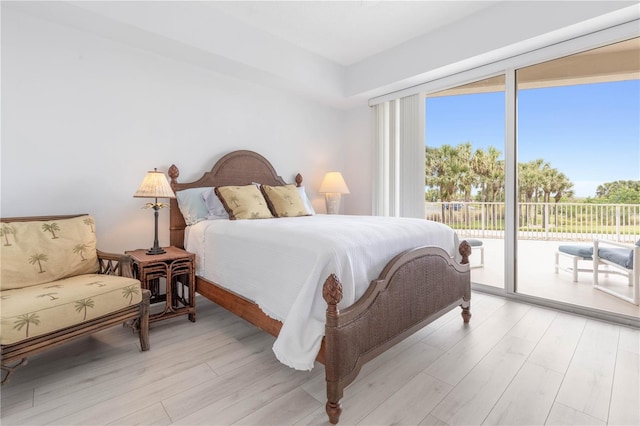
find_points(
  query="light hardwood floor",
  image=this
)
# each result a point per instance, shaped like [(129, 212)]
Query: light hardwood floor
[(515, 364)]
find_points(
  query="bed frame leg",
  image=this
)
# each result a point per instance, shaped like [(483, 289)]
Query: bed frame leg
[(334, 409), (466, 315), (332, 294), (465, 251)]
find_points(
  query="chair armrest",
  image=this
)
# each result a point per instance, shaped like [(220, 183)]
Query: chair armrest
[(599, 241), (115, 264)]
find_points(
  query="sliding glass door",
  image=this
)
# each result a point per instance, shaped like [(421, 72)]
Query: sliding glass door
[(464, 162), (535, 165), (578, 139)]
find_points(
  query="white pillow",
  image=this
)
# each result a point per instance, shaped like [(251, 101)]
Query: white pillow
[(305, 200), (214, 206), (192, 205)]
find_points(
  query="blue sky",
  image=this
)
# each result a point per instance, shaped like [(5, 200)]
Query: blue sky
[(591, 133)]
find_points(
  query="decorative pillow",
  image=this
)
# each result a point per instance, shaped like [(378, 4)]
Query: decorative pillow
[(284, 201), (305, 200), (214, 206), (243, 202), (37, 252), (192, 205)]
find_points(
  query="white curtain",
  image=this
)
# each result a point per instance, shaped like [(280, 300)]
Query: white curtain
[(398, 175)]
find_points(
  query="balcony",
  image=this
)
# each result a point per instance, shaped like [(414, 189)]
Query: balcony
[(542, 221), (542, 228)]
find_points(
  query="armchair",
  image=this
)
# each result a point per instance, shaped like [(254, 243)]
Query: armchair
[(621, 259), (56, 286)]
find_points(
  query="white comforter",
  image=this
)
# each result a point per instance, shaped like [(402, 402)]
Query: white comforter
[(281, 265)]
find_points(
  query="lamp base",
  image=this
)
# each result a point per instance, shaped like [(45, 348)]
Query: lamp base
[(332, 201), (156, 250)]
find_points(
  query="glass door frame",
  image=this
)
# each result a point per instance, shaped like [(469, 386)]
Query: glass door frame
[(612, 34)]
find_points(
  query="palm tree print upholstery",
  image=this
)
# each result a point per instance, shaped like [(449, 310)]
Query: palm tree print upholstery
[(36, 310), (284, 201), (243, 202), (5, 231), (45, 251), (51, 227), (26, 320)]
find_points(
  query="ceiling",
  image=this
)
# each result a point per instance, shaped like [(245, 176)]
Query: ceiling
[(346, 32), (337, 52)]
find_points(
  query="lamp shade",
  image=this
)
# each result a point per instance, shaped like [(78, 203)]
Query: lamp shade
[(155, 185), (333, 183)]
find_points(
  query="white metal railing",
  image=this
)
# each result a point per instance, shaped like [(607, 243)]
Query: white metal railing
[(542, 221)]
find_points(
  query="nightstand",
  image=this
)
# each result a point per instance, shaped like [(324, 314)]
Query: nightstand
[(176, 270)]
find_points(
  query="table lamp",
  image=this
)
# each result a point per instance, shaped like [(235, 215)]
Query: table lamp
[(155, 185), (333, 186)]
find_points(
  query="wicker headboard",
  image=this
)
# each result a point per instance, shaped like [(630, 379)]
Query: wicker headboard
[(236, 168)]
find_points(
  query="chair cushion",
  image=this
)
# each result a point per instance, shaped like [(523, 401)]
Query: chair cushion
[(619, 256), (38, 252), (40, 309), (583, 251)]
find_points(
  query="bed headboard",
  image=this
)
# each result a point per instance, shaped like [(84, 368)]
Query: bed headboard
[(236, 168)]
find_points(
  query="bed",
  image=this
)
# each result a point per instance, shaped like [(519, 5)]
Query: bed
[(360, 319)]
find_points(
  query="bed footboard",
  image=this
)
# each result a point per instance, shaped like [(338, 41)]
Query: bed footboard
[(415, 288)]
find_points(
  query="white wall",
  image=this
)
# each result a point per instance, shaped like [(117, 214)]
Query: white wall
[(84, 117), (358, 161)]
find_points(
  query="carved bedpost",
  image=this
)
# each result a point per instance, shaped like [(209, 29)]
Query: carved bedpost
[(173, 174), (465, 252), (298, 179), (332, 294)]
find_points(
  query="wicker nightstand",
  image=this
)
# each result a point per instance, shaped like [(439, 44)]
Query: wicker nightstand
[(176, 268)]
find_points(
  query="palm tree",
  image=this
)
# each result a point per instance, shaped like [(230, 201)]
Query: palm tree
[(555, 184), (462, 172), (53, 286), (38, 258), (90, 222), (442, 166), (288, 198), (525, 189), (129, 291), (530, 182), (49, 295), (563, 187), (258, 199), (83, 304), (51, 227), (496, 189), (5, 231), (550, 179), (481, 166), (489, 173), (81, 249), (466, 175), (26, 319)]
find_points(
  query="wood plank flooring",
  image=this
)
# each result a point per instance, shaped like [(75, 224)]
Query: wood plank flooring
[(515, 364)]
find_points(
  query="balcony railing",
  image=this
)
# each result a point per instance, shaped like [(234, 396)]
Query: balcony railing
[(542, 221)]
